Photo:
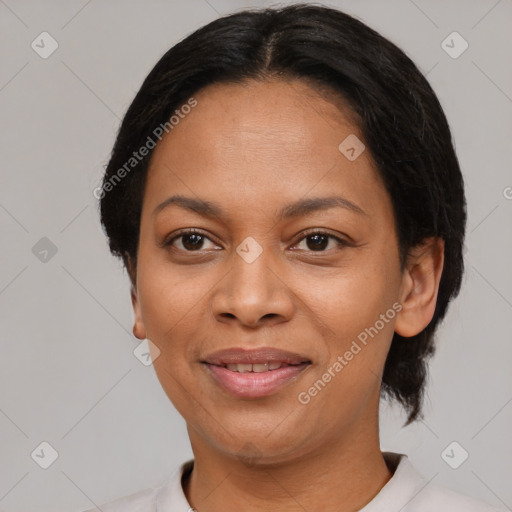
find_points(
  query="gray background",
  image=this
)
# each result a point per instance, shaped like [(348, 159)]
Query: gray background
[(68, 374)]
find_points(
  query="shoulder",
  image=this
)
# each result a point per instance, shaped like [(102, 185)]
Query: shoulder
[(414, 493), (166, 496), (141, 501), (436, 497)]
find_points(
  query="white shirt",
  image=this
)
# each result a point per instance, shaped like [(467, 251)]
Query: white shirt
[(406, 491)]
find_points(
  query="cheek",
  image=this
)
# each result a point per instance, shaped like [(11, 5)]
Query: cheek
[(357, 342), (169, 308), (355, 307), (354, 298), (168, 299)]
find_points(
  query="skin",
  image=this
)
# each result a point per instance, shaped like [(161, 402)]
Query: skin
[(252, 148)]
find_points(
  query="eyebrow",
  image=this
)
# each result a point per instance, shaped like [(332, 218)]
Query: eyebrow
[(300, 208)]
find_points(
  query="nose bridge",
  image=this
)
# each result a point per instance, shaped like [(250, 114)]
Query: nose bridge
[(252, 290), (252, 265)]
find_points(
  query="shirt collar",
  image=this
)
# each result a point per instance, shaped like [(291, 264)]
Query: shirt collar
[(403, 486), (172, 498), (400, 489)]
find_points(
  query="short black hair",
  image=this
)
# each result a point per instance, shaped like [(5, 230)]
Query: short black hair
[(401, 120)]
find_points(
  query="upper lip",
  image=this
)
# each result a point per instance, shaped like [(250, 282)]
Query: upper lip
[(254, 356)]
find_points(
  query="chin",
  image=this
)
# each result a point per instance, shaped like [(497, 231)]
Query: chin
[(256, 446)]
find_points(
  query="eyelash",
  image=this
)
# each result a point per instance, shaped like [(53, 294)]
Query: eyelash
[(167, 243)]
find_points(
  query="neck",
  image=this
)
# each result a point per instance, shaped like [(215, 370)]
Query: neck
[(345, 475)]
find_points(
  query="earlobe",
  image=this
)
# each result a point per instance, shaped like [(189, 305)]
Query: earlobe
[(420, 286)]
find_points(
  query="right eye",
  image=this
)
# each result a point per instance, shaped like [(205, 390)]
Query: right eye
[(191, 240)]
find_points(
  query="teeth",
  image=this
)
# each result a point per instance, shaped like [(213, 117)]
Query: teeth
[(256, 368), (243, 368)]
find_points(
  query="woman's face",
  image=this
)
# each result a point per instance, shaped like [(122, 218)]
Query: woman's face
[(262, 274)]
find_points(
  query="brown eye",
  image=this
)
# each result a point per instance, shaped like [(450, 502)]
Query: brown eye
[(188, 241), (192, 241), (318, 241)]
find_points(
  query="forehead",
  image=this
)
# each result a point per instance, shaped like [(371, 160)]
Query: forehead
[(261, 139), (265, 112)]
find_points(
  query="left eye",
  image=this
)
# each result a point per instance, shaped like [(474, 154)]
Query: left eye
[(319, 241)]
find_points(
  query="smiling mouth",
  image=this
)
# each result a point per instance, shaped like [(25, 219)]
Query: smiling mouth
[(249, 383), (256, 359), (252, 374), (256, 367)]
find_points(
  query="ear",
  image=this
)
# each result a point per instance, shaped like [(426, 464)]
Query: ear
[(420, 285), (139, 330)]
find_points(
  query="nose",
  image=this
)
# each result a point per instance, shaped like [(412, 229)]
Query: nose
[(253, 294)]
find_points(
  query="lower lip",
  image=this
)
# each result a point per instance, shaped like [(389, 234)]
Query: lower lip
[(253, 384)]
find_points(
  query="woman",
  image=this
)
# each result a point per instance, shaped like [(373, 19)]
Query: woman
[(285, 196)]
